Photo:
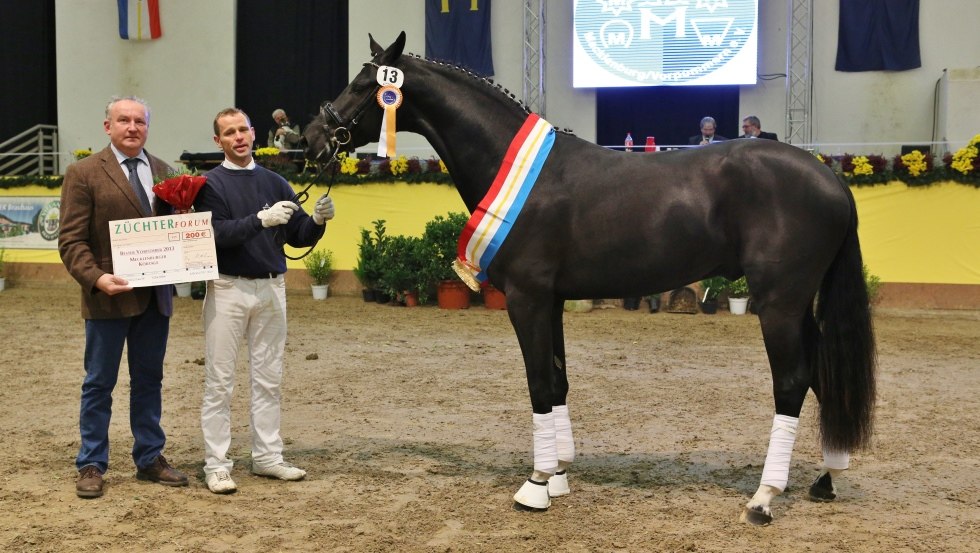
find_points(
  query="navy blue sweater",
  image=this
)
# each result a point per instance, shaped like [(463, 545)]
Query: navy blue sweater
[(245, 247)]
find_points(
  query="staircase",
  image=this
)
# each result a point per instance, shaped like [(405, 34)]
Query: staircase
[(32, 152)]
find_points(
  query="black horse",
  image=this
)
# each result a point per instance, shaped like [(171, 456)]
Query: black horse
[(600, 224)]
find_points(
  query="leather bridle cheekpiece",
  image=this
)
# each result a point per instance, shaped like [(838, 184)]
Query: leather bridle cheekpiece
[(340, 135)]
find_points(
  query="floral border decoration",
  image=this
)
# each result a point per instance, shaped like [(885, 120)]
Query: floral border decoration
[(914, 169)]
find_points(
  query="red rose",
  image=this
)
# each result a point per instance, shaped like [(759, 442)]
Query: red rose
[(180, 191)]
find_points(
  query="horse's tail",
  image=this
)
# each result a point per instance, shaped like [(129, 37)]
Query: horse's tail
[(845, 353)]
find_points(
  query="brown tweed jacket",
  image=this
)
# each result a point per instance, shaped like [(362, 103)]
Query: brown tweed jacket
[(96, 191)]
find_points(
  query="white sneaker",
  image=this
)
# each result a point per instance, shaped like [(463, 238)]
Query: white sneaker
[(221, 482), (282, 471)]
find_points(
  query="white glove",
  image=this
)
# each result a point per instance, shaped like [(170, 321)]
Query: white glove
[(323, 210), (278, 214)]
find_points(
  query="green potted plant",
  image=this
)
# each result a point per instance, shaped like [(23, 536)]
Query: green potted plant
[(403, 269), (369, 264), (319, 265), (710, 288), (441, 236), (871, 282), (738, 296)]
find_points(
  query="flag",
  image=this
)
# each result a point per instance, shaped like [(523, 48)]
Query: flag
[(139, 19), (458, 31), (878, 35)]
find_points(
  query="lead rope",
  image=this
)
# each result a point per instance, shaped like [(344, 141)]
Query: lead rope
[(301, 198)]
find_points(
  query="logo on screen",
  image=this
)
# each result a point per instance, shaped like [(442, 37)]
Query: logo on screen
[(664, 42)]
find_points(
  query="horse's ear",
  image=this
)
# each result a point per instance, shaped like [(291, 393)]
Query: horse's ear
[(375, 47), (394, 51)]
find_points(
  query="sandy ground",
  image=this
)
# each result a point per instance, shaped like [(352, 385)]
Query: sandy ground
[(414, 425)]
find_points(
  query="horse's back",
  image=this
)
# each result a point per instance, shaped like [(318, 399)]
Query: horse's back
[(665, 219)]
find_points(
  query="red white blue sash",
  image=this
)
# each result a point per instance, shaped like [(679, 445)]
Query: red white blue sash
[(493, 218)]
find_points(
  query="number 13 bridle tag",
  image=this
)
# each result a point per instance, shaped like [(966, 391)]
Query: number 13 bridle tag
[(389, 98)]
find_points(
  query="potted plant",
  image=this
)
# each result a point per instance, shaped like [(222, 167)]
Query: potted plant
[(369, 265), (319, 265), (654, 301), (441, 236), (403, 269), (710, 288), (738, 296)]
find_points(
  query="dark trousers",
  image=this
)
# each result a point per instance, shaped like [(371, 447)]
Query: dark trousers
[(146, 338)]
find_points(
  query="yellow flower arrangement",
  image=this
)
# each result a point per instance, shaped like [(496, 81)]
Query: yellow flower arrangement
[(964, 157), (267, 152), (81, 154), (862, 166), (399, 165), (821, 159), (348, 165), (442, 167), (915, 162)]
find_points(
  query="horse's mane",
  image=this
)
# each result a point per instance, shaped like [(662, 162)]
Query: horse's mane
[(486, 81)]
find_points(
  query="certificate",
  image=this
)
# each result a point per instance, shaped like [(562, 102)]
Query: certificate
[(164, 250)]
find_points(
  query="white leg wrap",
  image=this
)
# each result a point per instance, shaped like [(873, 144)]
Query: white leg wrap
[(782, 437), (563, 434), (545, 447), (836, 460)]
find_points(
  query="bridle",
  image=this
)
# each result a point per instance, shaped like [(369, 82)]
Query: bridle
[(341, 133), (339, 137)]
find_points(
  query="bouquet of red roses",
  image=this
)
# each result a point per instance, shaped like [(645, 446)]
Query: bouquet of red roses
[(180, 191)]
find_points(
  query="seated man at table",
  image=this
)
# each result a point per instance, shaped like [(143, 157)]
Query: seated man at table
[(707, 135), (752, 128)]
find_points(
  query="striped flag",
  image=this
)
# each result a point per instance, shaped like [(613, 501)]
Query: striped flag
[(139, 19)]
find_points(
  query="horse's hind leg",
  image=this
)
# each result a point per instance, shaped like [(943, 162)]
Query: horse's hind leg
[(822, 489), (783, 335)]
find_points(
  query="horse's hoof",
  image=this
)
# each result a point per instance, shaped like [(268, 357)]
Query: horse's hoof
[(756, 516), (822, 490), (533, 496), (525, 509), (558, 485)]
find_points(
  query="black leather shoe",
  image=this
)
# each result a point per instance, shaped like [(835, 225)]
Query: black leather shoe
[(162, 473), (89, 484)]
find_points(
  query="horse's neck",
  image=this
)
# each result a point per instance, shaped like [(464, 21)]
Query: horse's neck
[(468, 122)]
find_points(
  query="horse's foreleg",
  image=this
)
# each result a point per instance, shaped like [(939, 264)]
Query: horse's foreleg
[(834, 463), (558, 484), (534, 325)]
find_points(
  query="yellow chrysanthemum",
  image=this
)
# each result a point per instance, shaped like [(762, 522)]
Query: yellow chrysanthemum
[(399, 165), (442, 167), (915, 163), (267, 152), (348, 165), (862, 166), (963, 158)]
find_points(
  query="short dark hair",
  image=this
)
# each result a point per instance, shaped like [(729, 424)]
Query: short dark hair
[(229, 111)]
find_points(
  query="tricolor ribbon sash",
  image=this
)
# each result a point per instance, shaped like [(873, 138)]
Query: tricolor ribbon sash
[(493, 218), (139, 19), (389, 98)]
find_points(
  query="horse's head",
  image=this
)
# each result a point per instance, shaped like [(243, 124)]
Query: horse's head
[(353, 119)]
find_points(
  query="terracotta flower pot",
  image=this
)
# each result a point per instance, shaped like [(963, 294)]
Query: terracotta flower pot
[(411, 299), (453, 294), (494, 298)]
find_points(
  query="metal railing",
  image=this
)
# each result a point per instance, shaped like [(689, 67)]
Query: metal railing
[(32, 152)]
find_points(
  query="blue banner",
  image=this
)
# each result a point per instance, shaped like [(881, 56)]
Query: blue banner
[(878, 35), (458, 31)]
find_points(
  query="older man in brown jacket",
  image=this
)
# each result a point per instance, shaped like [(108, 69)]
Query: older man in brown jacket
[(116, 183)]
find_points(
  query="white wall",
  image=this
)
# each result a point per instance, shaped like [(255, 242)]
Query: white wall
[(188, 74)]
